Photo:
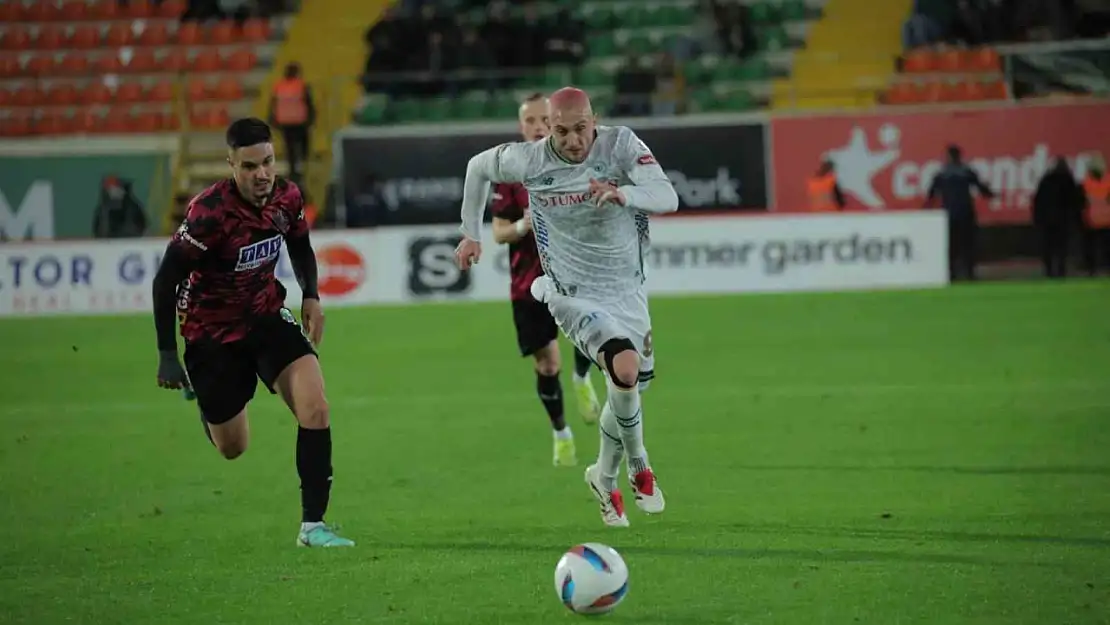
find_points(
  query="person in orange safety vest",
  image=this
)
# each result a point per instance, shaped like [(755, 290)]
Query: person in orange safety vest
[(293, 113), (823, 191), (1096, 216)]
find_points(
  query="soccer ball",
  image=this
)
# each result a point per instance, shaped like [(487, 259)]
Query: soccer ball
[(591, 579)]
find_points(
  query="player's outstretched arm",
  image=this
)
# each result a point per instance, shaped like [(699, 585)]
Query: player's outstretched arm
[(504, 163), (651, 190), (173, 270)]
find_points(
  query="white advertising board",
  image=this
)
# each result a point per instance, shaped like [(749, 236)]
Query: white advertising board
[(399, 265)]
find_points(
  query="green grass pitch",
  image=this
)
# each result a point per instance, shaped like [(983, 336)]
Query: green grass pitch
[(927, 457)]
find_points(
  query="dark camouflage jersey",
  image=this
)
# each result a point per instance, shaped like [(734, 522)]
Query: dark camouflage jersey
[(233, 249), (509, 202)]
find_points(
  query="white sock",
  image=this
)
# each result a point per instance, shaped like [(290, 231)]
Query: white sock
[(305, 527), (629, 416), (564, 434), (611, 450)]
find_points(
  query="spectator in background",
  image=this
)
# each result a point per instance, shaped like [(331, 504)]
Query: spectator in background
[(824, 191), (635, 83), (734, 29), (953, 184), (119, 214), (1056, 207), (1094, 225), (293, 113), (670, 87), (564, 42), (920, 29)]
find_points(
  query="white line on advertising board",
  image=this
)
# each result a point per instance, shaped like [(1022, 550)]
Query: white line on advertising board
[(411, 264)]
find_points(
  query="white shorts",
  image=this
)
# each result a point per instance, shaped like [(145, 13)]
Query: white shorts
[(590, 325)]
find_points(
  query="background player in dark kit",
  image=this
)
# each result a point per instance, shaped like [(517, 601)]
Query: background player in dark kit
[(537, 333), (218, 272)]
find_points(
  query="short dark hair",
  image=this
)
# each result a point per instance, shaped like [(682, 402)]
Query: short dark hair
[(248, 131), (535, 97)]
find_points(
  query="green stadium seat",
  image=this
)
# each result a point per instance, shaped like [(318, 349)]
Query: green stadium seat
[(373, 111), (602, 44), (794, 11), (764, 13), (672, 15), (504, 106), (773, 38), (472, 105), (437, 110), (594, 74), (407, 110), (639, 43), (599, 18)]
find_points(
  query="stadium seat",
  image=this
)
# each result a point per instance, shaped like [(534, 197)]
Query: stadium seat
[(96, 93), (85, 37), (222, 33), (130, 93), (119, 34), (154, 34), (50, 37), (74, 11)]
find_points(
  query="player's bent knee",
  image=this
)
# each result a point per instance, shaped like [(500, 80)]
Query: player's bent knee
[(232, 448), (230, 437), (547, 359), (622, 361), (315, 415)]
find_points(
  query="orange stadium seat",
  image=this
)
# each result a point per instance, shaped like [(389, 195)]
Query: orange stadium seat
[(10, 12), (106, 63), (206, 60), (85, 120), (995, 90), (75, 11), (241, 60), (222, 33), (85, 37), (161, 92), (188, 34), (51, 37), (15, 38), (173, 60), (146, 121), (918, 62), (17, 125), (40, 12), (950, 61), (5, 97), (155, 34), (197, 90), (119, 35), (50, 124), (171, 9), (903, 93), (9, 67), (105, 10), (139, 9), (96, 93), (984, 60), (142, 61), (26, 95), (73, 64), (228, 88), (256, 30), (40, 65), (130, 93), (118, 120), (62, 94)]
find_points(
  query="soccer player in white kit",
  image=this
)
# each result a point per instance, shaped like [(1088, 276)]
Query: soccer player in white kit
[(590, 188)]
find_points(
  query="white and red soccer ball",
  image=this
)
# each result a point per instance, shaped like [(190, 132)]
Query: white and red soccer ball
[(591, 578)]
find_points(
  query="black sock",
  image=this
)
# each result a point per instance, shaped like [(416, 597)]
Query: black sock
[(314, 467), (551, 394), (582, 364)]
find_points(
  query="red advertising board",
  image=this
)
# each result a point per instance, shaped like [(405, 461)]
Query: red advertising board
[(887, 160)]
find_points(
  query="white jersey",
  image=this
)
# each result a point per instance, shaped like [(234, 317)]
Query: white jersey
[(588, 251)]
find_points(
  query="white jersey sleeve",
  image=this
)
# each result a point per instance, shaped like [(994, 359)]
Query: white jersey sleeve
[(507, 162), (650, 190)]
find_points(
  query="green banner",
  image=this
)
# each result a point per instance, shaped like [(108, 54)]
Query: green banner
[(57, 197)]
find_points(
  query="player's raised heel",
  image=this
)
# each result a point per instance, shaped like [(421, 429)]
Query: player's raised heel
[(588, 405), (322, 536), (612, 502), (649, 497)]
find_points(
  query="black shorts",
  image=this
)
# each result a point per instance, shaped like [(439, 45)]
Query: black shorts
[(535, 327), (225, 375)]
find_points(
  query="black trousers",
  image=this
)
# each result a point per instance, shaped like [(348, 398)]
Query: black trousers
[(296, 150), (963, 235), (1096, 249), (1055, 243)]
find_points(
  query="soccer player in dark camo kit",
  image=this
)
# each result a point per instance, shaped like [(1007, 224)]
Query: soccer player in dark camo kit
[(536, 330), (218, 274)]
